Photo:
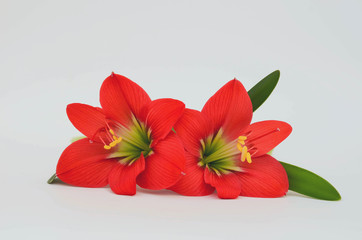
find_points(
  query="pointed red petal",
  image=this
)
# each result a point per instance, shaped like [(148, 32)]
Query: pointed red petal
[(162, 116), (227, 185), (164, 165), (266, 135), (192, 183), (264, 177), (122, 178), (191, 128), (121, 98), (230, 108), (85, 118), (84, 164)]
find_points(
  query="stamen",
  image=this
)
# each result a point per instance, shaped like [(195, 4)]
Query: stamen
[(266, 134), (102, 140), (242, 138), (245, 154), (109, 136), (254, 153), (114, 140), (248, 157), (239, 147), (111, 131)]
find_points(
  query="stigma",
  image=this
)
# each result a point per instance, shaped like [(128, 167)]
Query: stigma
[(245, 155), (115, 141)]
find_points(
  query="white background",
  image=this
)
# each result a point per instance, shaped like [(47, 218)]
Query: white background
[(57, 52)]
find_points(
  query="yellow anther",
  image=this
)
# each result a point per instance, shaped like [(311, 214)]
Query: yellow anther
[(242, 138), (244, 153), (239, 147), (248, 157), (115, 142)]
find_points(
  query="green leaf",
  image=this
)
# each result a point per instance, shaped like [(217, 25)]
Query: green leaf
[(262, 90), (52, 178), (310, 184)]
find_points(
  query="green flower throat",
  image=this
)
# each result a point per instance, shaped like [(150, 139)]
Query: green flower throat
[(218, 155), (135, 141)]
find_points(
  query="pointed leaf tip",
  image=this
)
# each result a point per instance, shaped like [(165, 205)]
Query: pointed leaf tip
[(52, 178), (262, 90), (310, 184)]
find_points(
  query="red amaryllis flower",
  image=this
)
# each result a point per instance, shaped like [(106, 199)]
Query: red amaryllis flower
[(129, 140), (226, 153)]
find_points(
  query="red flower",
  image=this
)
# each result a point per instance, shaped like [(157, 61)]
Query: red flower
[(226, 153), (128, 141)]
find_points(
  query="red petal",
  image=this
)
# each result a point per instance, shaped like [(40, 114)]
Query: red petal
[(264, 177), (230, 109), (87, 119), (122, 178), (121, 98), (162, 116), (192, 183), (84, 164), (227, 185), (164, 166), (266, 135), (191, 128)]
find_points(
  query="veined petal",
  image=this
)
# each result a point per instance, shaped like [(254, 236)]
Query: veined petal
[(87, 119), (227, 185), (191, 128), (121, 98), (164, 165), (264, 177), (84, 164), (192, 183), (162, 116), (230, 108), (122, 178), (266, 135)]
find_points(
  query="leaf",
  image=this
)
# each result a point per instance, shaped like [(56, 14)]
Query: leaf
[(262, 90), (310, 184), (52, 178)]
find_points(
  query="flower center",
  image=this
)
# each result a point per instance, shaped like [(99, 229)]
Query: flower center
[(219, 155), (130, 142)]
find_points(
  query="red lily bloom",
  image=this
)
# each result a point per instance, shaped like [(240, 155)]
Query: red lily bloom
[(226, 153), (128, 141)]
